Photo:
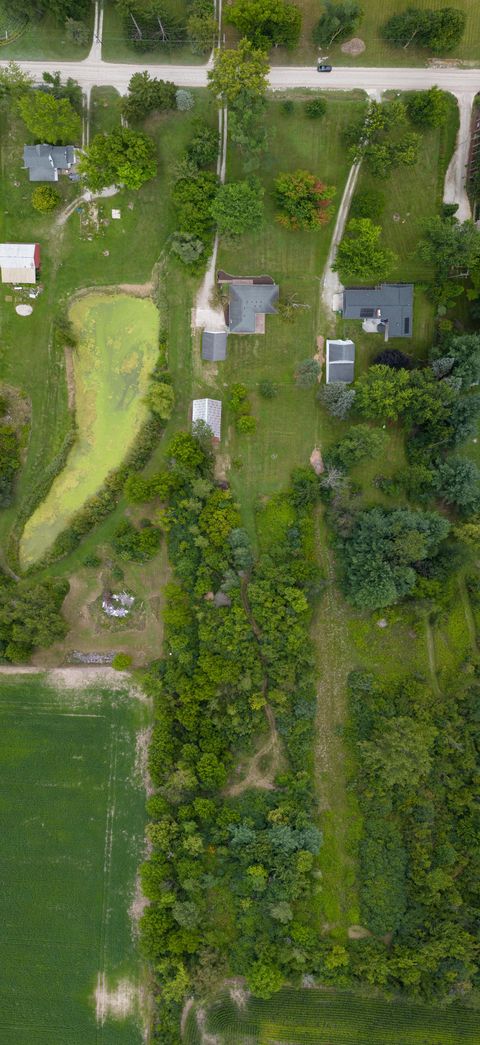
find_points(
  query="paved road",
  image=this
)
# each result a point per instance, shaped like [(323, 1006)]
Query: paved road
[(93, 71)]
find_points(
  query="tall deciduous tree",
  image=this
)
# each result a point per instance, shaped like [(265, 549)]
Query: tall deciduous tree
[(337, 21), (360, 258), (450, 246), (238, 207), (304, 200), (240, 75), (123, 157), (267, 23), (50, 120)]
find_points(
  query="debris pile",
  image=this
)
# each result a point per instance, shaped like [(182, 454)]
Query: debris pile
[(117, 604)]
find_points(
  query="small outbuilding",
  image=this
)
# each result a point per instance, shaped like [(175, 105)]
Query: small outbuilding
[(46, 162), (214, 345), (209, 411), (340, 361), (19, 262)]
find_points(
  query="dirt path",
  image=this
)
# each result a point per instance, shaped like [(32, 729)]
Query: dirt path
[(256, 776), (331, 284), (205, 314), (467, 609), (431, 657), (455, 178), (335, 660)]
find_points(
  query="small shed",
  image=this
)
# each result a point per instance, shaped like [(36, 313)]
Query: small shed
[(340, 361), (209, 411), (214, 345), (19, 262)]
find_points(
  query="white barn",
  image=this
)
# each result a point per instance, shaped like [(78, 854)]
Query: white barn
[(19, 262), (210, 411)]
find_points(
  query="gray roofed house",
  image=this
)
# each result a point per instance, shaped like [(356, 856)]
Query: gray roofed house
[(340, 361), (44, 162), (249, 304), (214, 345), (386, 309)]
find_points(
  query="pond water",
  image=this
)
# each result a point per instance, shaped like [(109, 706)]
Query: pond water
[(117, 350)]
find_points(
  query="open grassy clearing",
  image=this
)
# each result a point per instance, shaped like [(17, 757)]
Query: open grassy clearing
[(91, 631), (377, 51), (104, 110), (117, 349), (72, 827), (41, 38), (116, 48), (323, 1018)]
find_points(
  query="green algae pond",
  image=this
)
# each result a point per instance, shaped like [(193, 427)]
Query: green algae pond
[(117, 350)]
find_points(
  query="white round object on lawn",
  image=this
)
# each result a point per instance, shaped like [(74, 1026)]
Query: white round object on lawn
[(23, 310)]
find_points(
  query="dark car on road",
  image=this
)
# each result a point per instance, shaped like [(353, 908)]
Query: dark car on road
[(321, 68)]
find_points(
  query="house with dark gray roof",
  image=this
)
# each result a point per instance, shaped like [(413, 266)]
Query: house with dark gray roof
[(46, 162), (251, 298), (214, 345), (386, 309), (340, 361), (249, 303)]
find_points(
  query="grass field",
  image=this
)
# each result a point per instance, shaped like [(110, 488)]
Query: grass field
[(323, 1018), (41, 37), (117, 349), (377, 51), (72, 812)]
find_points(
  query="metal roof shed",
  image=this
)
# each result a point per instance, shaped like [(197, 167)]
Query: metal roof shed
[(340, 361), (19, 262), (214, 345), (209, 411)]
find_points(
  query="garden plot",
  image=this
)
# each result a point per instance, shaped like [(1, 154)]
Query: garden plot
[(117, 349), (72, 805)]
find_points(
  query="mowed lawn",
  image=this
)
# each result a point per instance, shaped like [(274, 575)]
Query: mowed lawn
[(72, 821), (377, 51), (333, 1018), (115, 354), (290, 425)]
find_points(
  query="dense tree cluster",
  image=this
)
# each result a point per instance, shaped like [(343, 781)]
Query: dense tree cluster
[(440, 31), (266, 23), (230, 875), (9, 455), (417, 765), (160, 25), (30, 616)]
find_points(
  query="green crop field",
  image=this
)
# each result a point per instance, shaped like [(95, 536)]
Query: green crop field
[(72, 815), (117, 348), (320, 1018), (377, 51)]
